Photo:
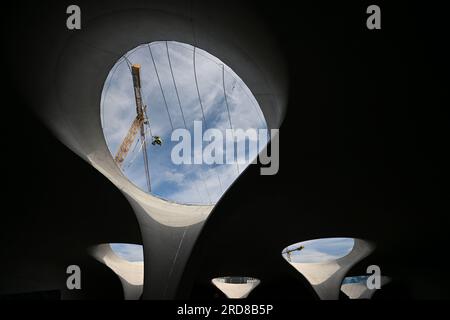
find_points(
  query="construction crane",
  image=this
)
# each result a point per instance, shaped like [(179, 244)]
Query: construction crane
[(138, 125), (288, 252)]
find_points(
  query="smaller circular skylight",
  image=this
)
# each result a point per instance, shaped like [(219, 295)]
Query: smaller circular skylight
[(319, 250), (355, 279), (236, 280), (235, 287), (128, 252)]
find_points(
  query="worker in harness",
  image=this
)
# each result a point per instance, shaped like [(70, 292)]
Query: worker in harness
[(157, 141)]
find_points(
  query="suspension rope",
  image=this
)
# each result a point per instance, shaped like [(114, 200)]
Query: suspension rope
[(179, 103), (129, 63), (206, 188), (201, 106), (145, 157), (194, 34), (198, 191), (135, 145), (149, 128), (106, 90), (220, 182), (135, 155), (239, 83), (198, 90), (162, 91), (225, 96), (228, 110), (175, 85), (113, 71)]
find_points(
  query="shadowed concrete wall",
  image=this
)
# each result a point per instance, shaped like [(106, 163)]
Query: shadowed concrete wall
[(70, 79), (131, 274)]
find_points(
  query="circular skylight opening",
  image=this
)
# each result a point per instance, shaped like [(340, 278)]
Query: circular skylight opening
[(236, 287), (319, 250), (355, 279), (236, 280), (158, 94), (128, 251)]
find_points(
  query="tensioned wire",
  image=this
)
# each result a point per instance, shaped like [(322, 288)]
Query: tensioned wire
[(182, 113), (201, 106)]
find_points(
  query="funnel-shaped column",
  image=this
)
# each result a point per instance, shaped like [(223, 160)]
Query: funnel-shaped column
[(66, 93), (236, 287), (356, 287), (131, 274), (325, 262)]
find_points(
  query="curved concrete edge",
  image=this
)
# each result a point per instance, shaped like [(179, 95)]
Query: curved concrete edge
[(236, 290), (326, 278), (360, 290), (131, 274), (164, 212)]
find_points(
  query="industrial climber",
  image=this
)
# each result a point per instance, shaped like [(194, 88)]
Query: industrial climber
[(157, 140)]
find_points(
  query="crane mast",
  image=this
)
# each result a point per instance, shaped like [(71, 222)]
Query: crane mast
[(137, 125)]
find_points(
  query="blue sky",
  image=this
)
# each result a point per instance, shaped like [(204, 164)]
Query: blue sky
[(129, 252), (197, 184), (355, 279), (320, 250)]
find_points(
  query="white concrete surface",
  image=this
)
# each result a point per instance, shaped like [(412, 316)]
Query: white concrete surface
[(236, 290)]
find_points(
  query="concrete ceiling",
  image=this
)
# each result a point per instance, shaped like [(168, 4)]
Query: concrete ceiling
[(358, 159)]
